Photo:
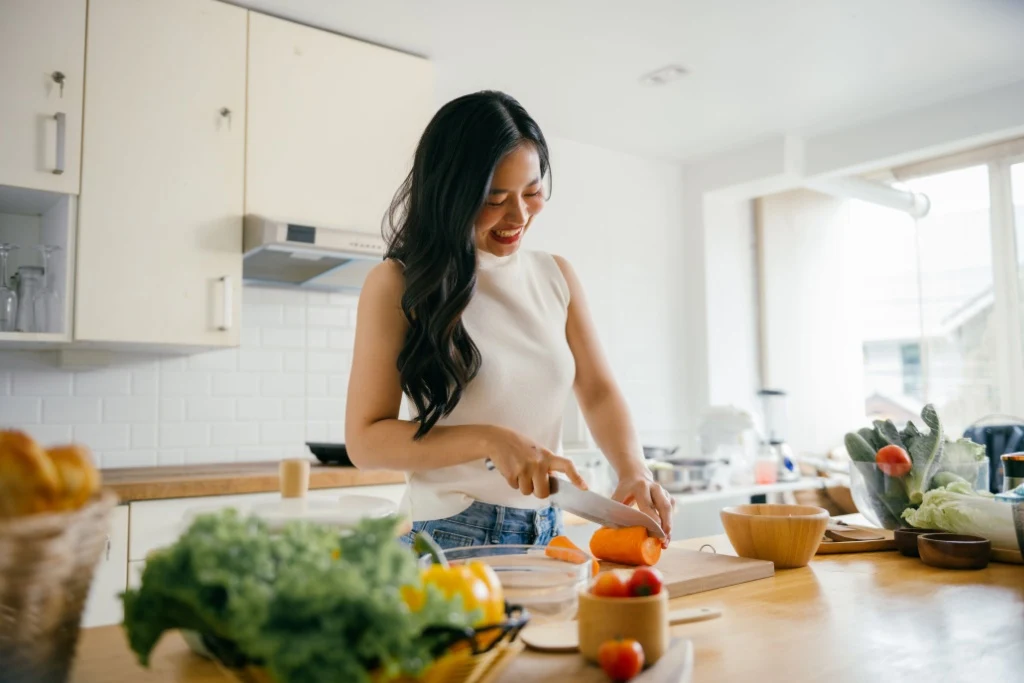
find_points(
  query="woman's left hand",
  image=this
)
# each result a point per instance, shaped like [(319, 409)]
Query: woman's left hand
[(649, 496)]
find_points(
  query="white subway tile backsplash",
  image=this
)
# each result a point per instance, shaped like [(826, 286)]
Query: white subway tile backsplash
[(282, 433), (208, 455), (235, 434), (285, 384), (165, 457), (184, 435), (236, 384), (294, 408), (41, 383), (317, 431), (226, 359), (295, 361), (206, 409), (133, 458), (102, 437), (316, 385), (172, 410), (337, 386), (144, 435), (72, 410), (103, 383), (49, 435), (316, 338), (327, 361), (260, 360), (145, 382), (258, 315), (184, 383), (295, 317), (260, 409), (326, 409), (130, 409), (284, 338), (327, 316), (18, 411)]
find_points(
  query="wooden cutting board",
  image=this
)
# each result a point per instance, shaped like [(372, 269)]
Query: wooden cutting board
[(688, 571), (676, 666)]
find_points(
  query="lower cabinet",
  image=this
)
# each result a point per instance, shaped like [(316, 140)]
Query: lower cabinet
[(141, 527), (103, 606)]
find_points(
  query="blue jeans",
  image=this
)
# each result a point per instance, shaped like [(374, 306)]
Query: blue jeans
[(485, 524)]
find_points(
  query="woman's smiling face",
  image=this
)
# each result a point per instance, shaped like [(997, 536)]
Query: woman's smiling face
[(515, 196)]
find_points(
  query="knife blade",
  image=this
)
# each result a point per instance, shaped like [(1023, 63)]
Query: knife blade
[(596, 508)]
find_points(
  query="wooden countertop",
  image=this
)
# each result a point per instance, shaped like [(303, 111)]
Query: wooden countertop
[(844, 619), (189, 481)]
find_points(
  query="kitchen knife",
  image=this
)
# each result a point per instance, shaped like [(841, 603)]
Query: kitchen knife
[(596, 508)]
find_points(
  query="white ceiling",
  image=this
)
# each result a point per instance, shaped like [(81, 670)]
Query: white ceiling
[(758, 67)]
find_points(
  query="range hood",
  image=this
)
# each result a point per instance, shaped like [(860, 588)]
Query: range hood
[(286, 254)]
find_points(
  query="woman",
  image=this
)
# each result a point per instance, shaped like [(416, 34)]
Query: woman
[(484, 339)]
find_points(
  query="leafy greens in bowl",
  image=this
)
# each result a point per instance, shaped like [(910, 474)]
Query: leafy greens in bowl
[(891, 469), (306, 603)]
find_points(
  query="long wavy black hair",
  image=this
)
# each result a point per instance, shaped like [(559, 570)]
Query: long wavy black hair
[(429, 230)]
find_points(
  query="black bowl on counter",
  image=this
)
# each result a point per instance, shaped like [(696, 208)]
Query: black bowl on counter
[(330, 453)]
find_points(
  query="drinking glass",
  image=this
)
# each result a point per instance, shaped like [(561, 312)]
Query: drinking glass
[(8, 297), (46, 303)]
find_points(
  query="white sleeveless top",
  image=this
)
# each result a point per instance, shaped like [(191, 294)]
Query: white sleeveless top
[(517, 319)]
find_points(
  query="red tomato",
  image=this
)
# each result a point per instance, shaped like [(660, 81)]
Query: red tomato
[(893, 461), (621, 659), (610, 585), (644, 581)]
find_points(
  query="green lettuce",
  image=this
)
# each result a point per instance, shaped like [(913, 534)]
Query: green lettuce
[(959, 509), (310, 604)]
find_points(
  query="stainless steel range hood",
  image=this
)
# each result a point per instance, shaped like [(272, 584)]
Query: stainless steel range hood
[(286, 254)]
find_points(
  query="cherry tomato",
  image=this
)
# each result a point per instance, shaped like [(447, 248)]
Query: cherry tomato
[(610, 585), (644, 581), (893, 461), (621, 659)]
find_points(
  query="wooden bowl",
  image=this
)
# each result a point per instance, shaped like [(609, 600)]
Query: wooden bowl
[(954, 551), (642, 619), (787, 535), (906, 539)]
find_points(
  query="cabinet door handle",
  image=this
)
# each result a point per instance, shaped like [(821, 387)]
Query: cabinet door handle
[(108, 547), (227, 303), (62, 125)]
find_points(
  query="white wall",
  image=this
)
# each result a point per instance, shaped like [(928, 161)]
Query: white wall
[(617, 219), (811, 331)]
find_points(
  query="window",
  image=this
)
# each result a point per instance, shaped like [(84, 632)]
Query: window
[(941, 315)]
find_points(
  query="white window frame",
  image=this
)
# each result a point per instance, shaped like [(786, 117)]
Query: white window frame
[(1007, 315)]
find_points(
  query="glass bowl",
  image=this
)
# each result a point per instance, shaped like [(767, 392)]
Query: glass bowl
[(547, 587), (882, 499)]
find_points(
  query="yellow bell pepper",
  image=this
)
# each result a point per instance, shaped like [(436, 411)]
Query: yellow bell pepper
[(476, 582)]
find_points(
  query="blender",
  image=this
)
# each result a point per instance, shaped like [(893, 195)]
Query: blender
[(774, 403)]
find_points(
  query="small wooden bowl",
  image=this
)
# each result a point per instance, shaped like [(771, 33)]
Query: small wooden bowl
[(954, 551), (787, 535), (642, 619), (906, 539)]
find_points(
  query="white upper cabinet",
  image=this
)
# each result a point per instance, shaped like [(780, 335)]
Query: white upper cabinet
[(42, 51), (333, 124), (160, 217)]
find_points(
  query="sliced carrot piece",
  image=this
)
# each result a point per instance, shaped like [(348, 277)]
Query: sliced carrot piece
[(630, 546), (564, 544)]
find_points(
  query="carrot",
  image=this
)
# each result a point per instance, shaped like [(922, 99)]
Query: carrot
[(630, 546), (563, 543)]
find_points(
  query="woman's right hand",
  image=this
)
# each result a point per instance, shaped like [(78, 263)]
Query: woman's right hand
[(526, 464)]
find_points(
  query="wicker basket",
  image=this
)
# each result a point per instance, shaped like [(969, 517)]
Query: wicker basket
[(46, 567)]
